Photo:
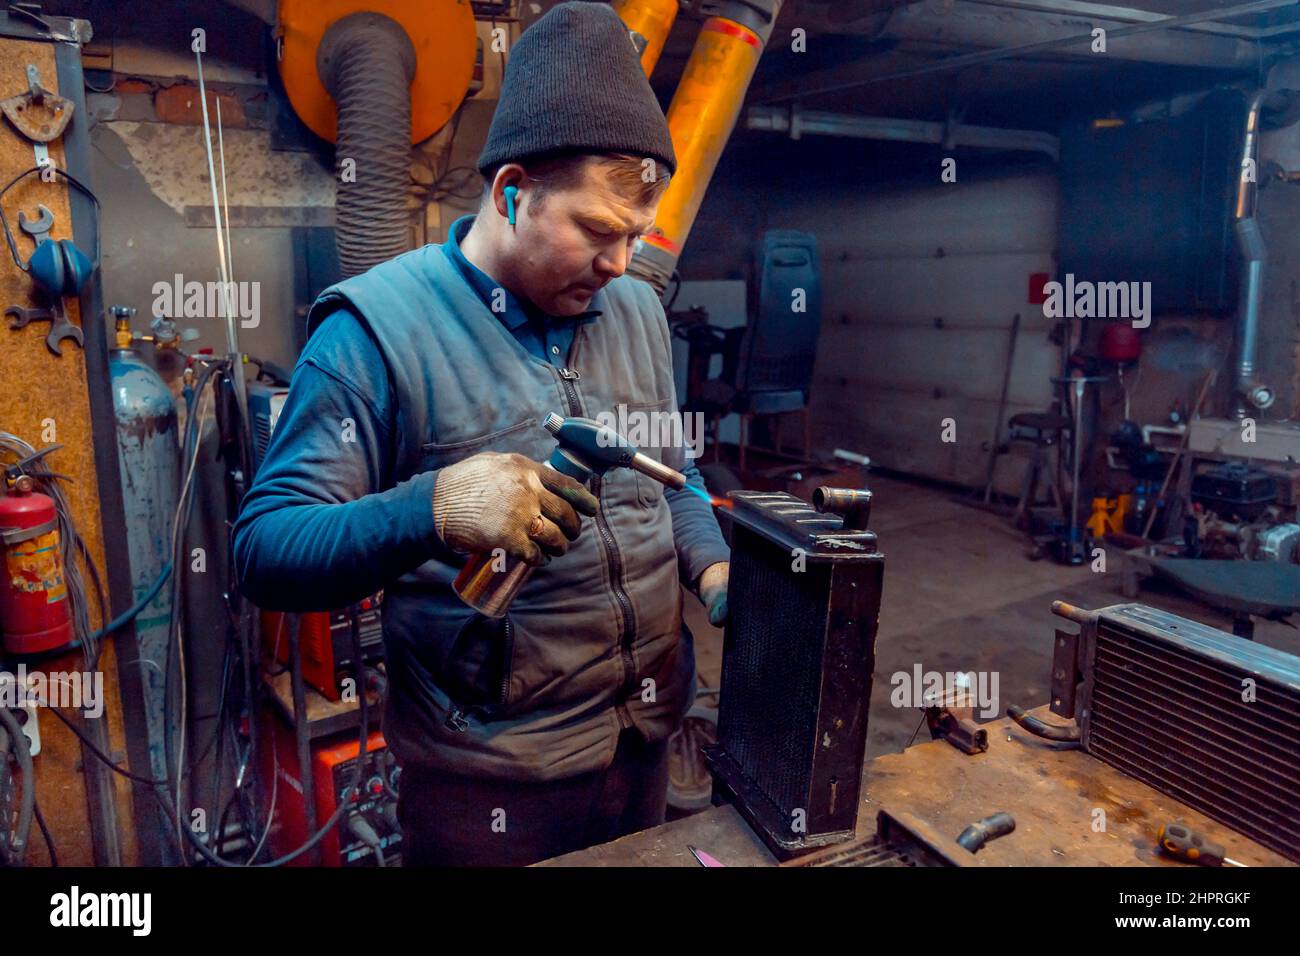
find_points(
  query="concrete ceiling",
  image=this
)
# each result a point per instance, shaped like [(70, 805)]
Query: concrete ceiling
[(855, 50)]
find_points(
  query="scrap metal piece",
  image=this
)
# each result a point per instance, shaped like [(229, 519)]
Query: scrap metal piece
[(951, 717), (959, 730), (900, 839), (39, 114), (1065, 673)]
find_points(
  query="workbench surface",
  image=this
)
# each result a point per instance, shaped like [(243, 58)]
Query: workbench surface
[(1052, 791)]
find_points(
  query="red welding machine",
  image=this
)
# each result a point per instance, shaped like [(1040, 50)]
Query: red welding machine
[(370, 823)]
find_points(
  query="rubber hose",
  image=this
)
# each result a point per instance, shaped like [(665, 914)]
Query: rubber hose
[(367, 62), (18, 848), (981, 832)]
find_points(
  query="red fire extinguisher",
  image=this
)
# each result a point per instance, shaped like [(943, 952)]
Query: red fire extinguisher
[(34, 611)]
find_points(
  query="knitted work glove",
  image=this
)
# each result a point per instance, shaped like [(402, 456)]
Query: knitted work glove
[(493, 500), (712, 590)]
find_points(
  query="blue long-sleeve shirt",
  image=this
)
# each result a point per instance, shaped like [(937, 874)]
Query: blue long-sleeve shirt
[(336, 434)]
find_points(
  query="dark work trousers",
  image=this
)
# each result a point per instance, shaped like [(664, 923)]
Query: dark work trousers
[(452, 820)]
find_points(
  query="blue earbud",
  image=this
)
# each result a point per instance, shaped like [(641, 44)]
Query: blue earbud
[(510, 192)]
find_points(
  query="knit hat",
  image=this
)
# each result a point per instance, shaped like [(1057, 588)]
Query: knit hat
[(574, 82)]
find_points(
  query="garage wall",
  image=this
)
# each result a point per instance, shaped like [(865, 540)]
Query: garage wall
[(920, 283), (920, 288)]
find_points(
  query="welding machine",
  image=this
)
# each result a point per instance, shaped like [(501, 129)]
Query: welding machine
[(370, 824), (325, 642), (798, 654)]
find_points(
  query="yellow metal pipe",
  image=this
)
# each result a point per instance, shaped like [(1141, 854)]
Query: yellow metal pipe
[(651, 20), (700, 120)]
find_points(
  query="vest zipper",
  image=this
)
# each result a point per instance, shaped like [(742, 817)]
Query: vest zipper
[(505, 671), (568, 376), (456, 719)]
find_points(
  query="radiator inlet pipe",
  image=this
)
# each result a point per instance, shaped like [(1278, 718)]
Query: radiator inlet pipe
[(367, 62), (1070, 612), (1252, 394)]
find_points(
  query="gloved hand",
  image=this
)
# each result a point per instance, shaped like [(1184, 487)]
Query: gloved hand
[(712, 589), (493, 500)]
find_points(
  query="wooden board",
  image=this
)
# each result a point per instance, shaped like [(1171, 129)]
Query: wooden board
[(44, 400)]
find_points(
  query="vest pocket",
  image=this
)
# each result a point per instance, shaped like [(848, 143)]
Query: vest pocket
[(476, 672), (438, 455), (657, 432), (648, 491)]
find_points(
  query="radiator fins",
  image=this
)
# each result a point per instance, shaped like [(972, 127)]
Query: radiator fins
[(1165, 700)]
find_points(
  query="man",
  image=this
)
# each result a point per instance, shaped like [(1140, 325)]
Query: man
[(411, 438)]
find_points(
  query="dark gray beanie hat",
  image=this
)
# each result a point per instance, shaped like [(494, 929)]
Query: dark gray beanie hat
[(574, 82)]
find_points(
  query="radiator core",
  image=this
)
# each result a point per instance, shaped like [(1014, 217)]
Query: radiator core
[(1206, 717), (804, 598)]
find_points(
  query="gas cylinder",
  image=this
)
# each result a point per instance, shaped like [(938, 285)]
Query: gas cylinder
[(34, 606), (148, 456)]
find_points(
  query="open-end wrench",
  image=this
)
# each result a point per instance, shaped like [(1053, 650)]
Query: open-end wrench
[(60, 327), (38, 228)]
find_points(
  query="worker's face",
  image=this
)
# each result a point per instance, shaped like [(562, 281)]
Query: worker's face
[(574, 241)]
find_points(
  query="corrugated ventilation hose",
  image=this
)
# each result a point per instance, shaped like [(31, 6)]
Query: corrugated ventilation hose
[(367, 62)]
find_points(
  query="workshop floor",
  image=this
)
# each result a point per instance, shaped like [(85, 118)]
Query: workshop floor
[(961, 595)]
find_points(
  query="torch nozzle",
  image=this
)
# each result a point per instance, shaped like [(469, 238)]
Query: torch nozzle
[(660, 472), (588, 444)]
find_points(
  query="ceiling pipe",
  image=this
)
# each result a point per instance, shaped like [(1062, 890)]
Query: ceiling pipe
[(797, 122), (989, 27), (1128, 14), (648, 23), (1003, 35), (1251, 392)]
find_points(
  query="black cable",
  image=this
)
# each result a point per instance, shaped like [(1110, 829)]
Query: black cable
[(185, 512), (191, 438), (162, 793), (676, 277), (45, 832), (18, 743), (97, 585), (436, 192), (95, 751), (162, 788), (221, 824), (221, 710), (344, 798), (189, 445), (135, 609)]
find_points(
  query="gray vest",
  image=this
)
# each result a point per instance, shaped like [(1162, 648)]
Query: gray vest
[(594, 640)]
